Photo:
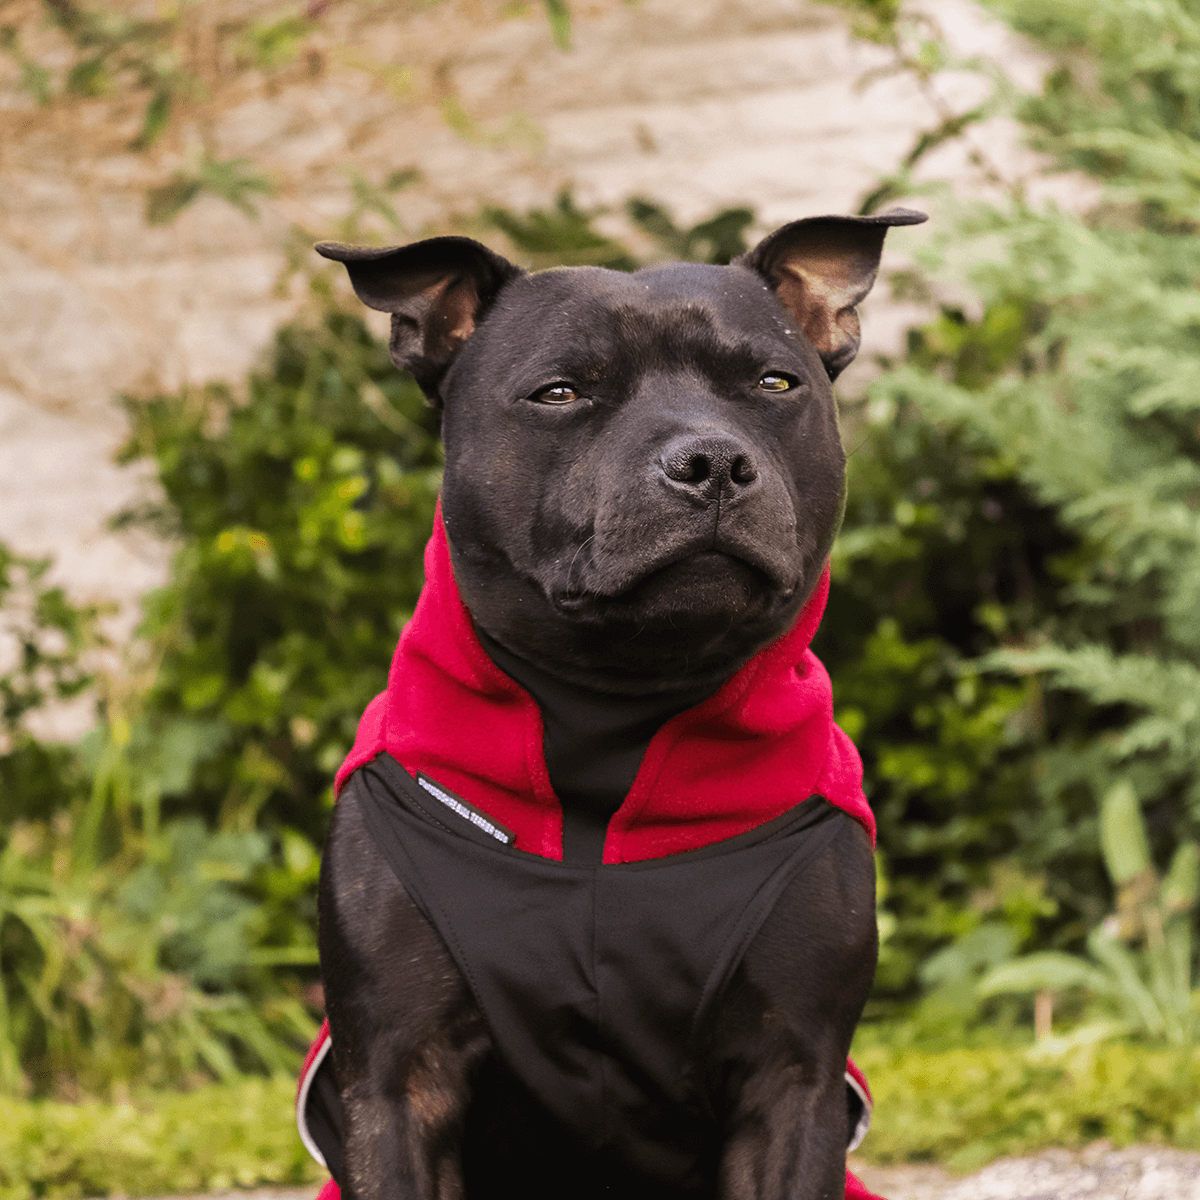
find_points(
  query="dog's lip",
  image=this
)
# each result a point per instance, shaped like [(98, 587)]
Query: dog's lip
[(575, 599)]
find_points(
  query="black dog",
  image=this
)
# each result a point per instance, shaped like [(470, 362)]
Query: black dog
[(643, 480)]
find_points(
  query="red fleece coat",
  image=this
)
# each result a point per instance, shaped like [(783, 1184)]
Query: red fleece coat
[(762, 743)]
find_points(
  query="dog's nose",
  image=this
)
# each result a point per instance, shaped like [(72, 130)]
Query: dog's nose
[(709, 465)]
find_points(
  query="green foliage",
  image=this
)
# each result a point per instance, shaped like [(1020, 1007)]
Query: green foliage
[(140, 966), (1123, 838), (302, 510), (559, 17), (239, 1135), (1094, 418), (1072, 384), (171, 64), (35, 78), (233, 180), (130, 947), (1122, 101), (1141, 956), (563, 235), (718, 239), (965, 1107), (874, 20), (111, 50), (45, 645), (271, 44), (942, 555)]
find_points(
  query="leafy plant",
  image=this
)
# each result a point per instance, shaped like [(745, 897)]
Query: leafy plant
[(134, 969), (46, 641), (48, 649), (234, 180), (1141, 956), (302, 510), (1066, 384), (1120, 102), (941, 557), (129, 947), (132, 947), (1091, 417), (717, 239), (562, 235), (559, 17)]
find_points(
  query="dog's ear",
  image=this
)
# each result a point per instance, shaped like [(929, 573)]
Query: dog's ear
[(437, 292), (820, 268)]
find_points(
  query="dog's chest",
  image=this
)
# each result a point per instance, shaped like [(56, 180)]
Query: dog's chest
[(594, 981)]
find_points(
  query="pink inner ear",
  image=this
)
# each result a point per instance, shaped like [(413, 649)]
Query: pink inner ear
[(460, 305), (824, 306), (454, 305)]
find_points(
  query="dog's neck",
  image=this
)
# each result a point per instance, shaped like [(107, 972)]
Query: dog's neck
[(593, 742)]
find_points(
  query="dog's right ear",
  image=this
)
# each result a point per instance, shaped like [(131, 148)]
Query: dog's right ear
[(437, 292), (821, 268)]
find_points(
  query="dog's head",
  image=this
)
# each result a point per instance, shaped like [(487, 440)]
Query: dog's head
[(643, 471)]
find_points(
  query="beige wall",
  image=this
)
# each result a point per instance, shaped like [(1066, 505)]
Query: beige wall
[(698, 104)]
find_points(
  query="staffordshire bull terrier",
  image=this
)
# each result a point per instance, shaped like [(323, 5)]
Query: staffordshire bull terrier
[(597, 903)]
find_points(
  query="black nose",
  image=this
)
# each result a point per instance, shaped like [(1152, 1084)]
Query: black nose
[(708, 465)]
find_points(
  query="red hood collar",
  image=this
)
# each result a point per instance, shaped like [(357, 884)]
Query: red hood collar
[(763, 742)]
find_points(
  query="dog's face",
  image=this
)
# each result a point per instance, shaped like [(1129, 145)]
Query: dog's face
[(643, 471)]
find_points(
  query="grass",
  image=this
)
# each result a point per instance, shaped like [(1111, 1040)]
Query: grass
[(220, 1136), (963, 1108), (957, 1107)]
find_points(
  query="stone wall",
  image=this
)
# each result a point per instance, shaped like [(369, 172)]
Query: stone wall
[(697, 104)]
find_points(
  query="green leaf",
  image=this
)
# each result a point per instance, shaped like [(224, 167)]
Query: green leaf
[(275, 44), (167, 201), (1136, 998), (154, 120), (1123, 834), (90, 77), (234, 180), (36, 80), (559, 17), (1047, 970), (1181, 886)]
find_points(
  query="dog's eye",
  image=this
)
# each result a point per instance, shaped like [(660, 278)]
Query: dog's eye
[(777, 383), (556, 393)]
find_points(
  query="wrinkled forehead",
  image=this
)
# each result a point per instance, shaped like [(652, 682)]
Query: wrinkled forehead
[(657, 311)]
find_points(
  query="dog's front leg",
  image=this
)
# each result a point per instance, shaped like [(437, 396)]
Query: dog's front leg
[(406, 1033), (779, 1038)]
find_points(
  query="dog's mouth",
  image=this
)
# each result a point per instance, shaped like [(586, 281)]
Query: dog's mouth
[(691, 586)]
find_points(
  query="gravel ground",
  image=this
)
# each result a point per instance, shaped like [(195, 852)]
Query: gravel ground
[(1097, 1173)]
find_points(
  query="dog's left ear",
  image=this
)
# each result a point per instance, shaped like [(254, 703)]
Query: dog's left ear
[(820, 268), (437, 291)]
